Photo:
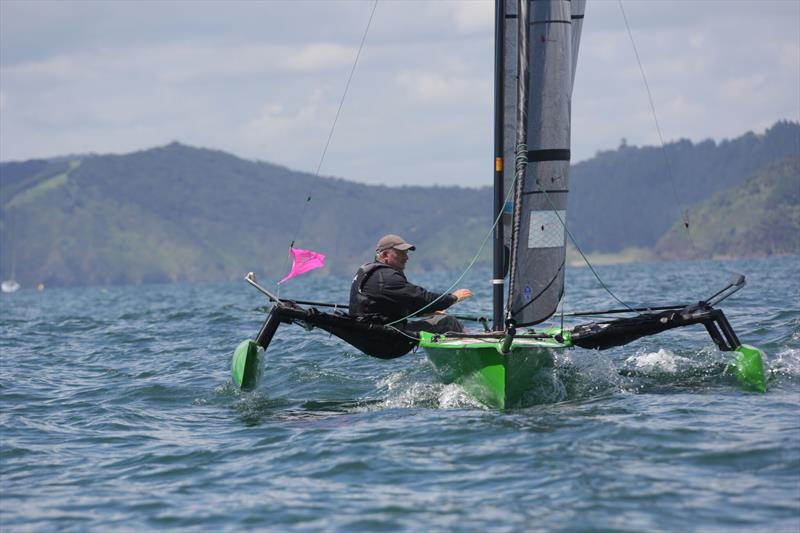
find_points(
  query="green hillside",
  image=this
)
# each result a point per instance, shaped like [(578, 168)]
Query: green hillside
[(177, 213), (761, 216), (630, 197)]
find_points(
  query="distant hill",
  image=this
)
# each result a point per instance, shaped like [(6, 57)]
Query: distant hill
[(625, 198), (177, 213), (760, 216)]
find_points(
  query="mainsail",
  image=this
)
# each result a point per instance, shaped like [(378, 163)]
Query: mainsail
[(577, 9), (535, 220)]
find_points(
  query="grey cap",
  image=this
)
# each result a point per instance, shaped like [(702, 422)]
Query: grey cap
[(393, 241)]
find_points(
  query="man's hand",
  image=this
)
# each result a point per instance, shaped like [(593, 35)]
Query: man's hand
[(462, 294)]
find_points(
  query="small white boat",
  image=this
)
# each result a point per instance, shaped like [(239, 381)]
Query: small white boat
[(9, 286)]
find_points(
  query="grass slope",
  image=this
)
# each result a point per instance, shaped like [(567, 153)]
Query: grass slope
[(761, 216), (177, 213)]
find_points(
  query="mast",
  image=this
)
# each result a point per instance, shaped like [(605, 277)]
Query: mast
[(499, 196)]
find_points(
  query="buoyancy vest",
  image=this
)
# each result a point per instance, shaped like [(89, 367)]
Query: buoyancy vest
[(362, 303)]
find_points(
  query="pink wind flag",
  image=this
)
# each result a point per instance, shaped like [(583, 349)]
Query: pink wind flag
[(303, 261)]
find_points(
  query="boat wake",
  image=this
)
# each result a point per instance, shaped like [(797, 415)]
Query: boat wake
[(581, 375), (660, 362), (786, 364), (576, 375), (416, 388), (665, 370)]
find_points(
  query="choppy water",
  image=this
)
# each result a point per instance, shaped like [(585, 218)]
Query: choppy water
[(118, 413)]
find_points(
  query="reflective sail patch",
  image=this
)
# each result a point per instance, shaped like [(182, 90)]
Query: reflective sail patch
[(546, 230)]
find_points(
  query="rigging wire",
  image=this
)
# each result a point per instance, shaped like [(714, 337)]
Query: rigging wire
[(333, 125), (522, 159), (471, 263), (578, 248), (684, 212), (511, 188), (697, 251), (491, 232)]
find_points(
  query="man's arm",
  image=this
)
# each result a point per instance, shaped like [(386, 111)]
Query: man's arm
[(414, 297)]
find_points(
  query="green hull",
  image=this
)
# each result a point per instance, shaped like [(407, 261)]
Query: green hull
[(500, 381), (477, 364), (750, 368), (244, 365)]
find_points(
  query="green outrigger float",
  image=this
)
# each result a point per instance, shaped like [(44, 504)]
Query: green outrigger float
[(536, 46)]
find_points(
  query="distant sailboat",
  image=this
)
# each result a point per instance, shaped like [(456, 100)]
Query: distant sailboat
[(9, 286)]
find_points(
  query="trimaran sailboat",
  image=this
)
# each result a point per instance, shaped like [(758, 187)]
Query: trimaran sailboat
[(536, 45)]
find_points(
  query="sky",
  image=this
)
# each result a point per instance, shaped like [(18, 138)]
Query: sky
[(263, 80)]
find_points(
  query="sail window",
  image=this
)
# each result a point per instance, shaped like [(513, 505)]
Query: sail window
[(546, 229)]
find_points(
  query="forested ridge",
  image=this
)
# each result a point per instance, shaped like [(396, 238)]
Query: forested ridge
[(178, 213)]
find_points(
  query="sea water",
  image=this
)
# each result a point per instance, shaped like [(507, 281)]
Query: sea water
[(118, 412)]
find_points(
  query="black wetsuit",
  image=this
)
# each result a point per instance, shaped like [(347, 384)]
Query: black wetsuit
[(382, 293)]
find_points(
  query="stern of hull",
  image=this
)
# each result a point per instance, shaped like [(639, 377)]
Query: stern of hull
[(495, 379)]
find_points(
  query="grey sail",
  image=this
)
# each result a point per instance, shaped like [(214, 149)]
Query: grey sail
[(538, 236), (509, 111), (577, 10)]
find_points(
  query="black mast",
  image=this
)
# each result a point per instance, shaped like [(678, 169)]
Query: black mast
[(498, 249)]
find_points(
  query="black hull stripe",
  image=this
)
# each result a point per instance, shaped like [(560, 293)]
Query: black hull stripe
[(556, 154), (539, 22)]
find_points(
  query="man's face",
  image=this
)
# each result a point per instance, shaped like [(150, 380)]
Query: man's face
[(396, 258)]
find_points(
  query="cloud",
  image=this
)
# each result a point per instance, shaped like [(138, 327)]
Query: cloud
[(267, 131), (263, 79), (710, 75), (429, 88), (184, 62), (473, 16)]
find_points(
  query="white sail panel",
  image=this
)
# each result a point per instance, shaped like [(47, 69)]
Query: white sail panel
[(545, 229)]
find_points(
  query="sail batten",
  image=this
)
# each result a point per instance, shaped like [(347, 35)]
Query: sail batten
[(541, 102)]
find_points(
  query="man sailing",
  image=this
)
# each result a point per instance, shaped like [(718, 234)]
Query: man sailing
[(380, 292)]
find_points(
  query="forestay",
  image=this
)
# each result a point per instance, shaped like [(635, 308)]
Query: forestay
[(536, 234)]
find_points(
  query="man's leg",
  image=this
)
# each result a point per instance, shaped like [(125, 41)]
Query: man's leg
[(438, 323)]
